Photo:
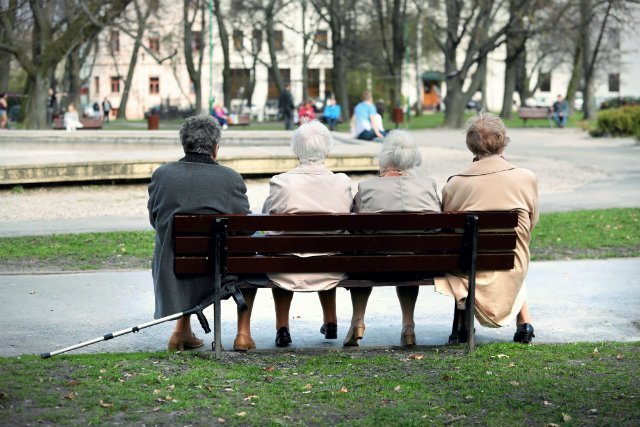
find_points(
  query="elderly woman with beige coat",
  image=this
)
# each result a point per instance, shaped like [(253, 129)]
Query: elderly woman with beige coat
[(491, 183), (308, 188)]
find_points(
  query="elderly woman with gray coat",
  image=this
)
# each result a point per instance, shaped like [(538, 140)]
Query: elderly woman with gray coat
[(399, 188), (195, 184)]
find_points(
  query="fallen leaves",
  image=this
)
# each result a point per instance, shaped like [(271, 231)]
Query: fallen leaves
[(566, 418), (514, 383), (249, 397), (416, 356), (343, 390), (242, 414), (71, 396), (592, 413), (397, 388), (105, 404), (269, 368)]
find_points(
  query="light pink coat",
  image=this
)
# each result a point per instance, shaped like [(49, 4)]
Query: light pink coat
[(309, 188), (486, 185)]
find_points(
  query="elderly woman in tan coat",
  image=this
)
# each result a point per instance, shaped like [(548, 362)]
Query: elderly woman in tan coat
[(491, 183), (399, 188), (308, 188)]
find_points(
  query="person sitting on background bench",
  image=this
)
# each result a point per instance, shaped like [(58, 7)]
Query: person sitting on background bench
[(71, 119), (195, 184), (490, 183), (399, 188), (309, 188), (560, 112)]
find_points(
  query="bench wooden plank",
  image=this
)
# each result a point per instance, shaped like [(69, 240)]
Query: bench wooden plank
[(194, 245), (185, 224), (346, 263)]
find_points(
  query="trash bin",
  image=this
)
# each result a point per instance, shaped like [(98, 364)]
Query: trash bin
[(153, 122), (397, 116)]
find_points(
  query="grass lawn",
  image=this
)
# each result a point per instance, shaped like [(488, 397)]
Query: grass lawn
[(558, 236), (499, 384)]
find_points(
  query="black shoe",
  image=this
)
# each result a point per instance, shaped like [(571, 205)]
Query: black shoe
[(330, 331), (524, 333), (283, 337)]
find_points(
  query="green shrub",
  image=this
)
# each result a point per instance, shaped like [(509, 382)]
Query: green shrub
[(624, 121)]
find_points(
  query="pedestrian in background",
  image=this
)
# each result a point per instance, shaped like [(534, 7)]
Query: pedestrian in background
[(332, 113), (560, 112), (286, 107), (3, 110), (106, 108)]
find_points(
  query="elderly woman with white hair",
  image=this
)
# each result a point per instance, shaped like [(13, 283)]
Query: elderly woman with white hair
[(308, 188), (491, 183), (399, 188)]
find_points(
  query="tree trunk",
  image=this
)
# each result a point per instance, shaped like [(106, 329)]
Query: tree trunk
[(72, 69), (36, 111), (418, 58), (122, 110), (224, 43), (339, 76), (455, 103), (5, 71), (273, 55), (576, 73)]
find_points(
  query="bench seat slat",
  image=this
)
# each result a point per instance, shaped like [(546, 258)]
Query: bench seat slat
[(294, 264), (198, 245), (427, 281), (192, 224)]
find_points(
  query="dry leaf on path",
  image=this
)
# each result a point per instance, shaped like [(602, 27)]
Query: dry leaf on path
[(221, 421), (344, 390), (241, 414), (416, 356), (269, 368), (566, 417), (397, 388), (249, 397), (105, 404), (70, 396)]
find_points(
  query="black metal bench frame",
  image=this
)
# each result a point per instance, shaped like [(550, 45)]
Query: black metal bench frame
[(421, 243)]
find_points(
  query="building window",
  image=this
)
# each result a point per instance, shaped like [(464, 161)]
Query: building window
[(278, 39), (115, 84), (154, 44), (196, 42), (614, 37), (240, 81), (272, 91), (96, 85), (614, 82), (545, 82), (237, 39), (321, 40), (154, 85), (114, 41), (313, 82), (256, 41)]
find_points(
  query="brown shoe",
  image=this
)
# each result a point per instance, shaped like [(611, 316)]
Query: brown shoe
[(180, 342), (243, 342)]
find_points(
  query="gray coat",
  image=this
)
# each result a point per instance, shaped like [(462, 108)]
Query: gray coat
[(191, 186)]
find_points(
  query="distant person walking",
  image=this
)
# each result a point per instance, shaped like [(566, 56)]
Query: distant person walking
[(96, 109), (52, 102), (364, 122), (286, 107), (332, 113), (560, 112), (106, 108), (3, 110)]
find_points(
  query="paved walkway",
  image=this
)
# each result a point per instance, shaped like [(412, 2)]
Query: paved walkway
[(570, 301)]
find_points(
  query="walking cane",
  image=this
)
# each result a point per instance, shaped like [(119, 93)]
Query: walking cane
[(229, 291)]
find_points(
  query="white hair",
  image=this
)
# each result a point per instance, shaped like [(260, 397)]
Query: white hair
[(399, 152), (311, 142)]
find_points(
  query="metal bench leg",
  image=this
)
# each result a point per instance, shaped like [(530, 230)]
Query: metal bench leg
[(471, 243)]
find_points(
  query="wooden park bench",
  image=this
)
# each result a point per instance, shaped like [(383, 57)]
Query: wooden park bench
[(239, 119), (526, 113), (415, 248), (87, 123)]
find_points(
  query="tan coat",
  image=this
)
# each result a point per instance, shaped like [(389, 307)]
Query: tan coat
[(494, 184), (309, 188)]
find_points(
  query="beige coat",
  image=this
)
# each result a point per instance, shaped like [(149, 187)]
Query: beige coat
[(494, 184), (309, 188)]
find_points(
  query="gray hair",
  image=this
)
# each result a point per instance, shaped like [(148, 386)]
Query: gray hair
[(311, 142), (486, 134), (200, 134), (399, 152)]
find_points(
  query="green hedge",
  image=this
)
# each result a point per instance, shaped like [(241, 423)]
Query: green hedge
[(624, 121)]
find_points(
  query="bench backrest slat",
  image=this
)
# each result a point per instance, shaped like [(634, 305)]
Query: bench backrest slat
[(185, 224), (344, 263), (202, 245)]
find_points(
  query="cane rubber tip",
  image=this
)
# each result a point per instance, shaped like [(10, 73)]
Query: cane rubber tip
[(45, 355)]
